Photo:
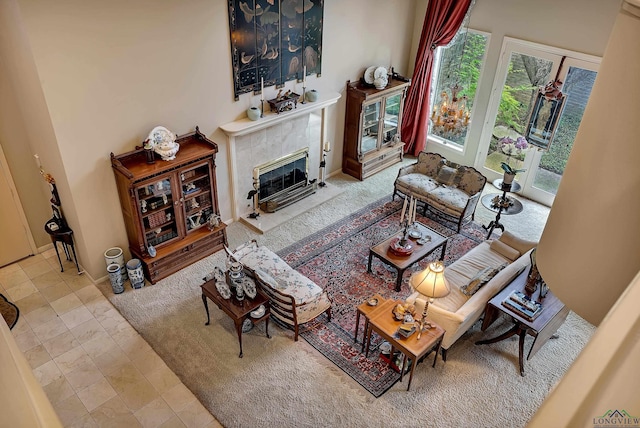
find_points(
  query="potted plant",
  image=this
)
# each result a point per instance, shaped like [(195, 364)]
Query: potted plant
[(509, 173)]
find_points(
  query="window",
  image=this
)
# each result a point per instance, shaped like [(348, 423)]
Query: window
[(459, 62)]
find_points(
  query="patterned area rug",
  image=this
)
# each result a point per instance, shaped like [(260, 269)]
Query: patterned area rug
[(9, 311), (336, 259)]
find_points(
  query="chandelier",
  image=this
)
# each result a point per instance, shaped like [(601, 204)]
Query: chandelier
[(450, 117)]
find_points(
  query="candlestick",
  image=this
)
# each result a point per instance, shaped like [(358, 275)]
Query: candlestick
[(415, 208), (304, 75), (38, 161), (262, 85), (404, 207)]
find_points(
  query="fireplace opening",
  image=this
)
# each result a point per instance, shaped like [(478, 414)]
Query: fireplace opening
[(283, 181)]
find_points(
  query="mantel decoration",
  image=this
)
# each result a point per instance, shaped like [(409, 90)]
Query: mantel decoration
[(274, 41), (163, 142)]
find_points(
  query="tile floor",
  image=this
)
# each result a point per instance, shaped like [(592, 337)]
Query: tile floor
[(95, 368)]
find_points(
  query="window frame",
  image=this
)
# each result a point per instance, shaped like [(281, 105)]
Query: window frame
[(436, 139)]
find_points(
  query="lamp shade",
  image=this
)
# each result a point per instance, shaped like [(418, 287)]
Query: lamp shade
[(431, 281)]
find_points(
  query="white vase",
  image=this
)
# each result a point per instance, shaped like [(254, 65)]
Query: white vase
[(507, 179), (253, 113), (311, 95)]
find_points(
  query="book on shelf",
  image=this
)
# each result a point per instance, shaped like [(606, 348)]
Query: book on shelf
[(522, 305)]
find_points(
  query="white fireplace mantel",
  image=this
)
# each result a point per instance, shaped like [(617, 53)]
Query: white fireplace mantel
[(247, 126)]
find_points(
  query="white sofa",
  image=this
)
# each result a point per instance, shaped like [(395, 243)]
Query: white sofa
[(457, 312), (294, 298)]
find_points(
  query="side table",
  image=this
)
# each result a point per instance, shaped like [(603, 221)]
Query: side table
[(543, 327), (384, 324), (62, 234), (501, 204), (238, 311), (366, 309)]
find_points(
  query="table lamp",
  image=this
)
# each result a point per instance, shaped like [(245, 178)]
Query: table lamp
[(430, 283)]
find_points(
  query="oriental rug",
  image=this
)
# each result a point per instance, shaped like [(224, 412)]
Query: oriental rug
[(336, 259)]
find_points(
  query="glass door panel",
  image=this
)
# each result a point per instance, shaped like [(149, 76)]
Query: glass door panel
[(577, 87), (158, 216), (196, 191), (370, 127), (525, 74), (391, 113)]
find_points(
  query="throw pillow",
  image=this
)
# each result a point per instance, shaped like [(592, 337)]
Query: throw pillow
[(446, 175), (482, 277), (505, 250)]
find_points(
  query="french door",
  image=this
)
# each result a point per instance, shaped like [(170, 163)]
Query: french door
[(523, 68)]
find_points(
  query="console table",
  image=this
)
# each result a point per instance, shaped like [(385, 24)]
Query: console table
[(543, 327), (506, 205)]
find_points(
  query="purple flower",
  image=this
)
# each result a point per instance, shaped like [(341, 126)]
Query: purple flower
[(521, 143)]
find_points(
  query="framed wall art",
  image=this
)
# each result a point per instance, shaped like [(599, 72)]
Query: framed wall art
[(274, 41)]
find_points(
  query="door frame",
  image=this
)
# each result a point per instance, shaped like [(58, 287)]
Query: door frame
[(15, 200), (532, 157)]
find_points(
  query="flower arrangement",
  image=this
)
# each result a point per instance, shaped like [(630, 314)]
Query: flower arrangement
[(511, 147)]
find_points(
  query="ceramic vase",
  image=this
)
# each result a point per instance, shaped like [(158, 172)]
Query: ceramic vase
[(253, 113), (136, 275), (311, 95), (117, 283), (507, 179), (114, 255)]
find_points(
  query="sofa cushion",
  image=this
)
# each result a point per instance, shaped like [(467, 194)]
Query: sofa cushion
[(518, 243), (447, 175), (448, 199), (502, 248), (429, 163), (481, 278), (416, 184), (471, 181)]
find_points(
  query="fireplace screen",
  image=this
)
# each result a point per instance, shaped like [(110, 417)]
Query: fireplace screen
[(282, 175)]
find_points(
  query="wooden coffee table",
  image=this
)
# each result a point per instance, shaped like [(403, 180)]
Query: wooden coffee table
[(238, 311), (382, 322), (543, 327), (401, 263)]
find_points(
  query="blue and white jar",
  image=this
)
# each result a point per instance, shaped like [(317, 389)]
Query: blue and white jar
[(136, 275), (115, 256), (115, 277)]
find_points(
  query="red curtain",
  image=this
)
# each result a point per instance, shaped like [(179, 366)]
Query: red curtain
[(441, 23)]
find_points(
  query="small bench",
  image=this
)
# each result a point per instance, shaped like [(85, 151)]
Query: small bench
[(295, 299)]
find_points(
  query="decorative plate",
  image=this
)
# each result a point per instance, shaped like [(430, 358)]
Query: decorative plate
[(415, 234), (379, 72), (369, 74), (258, 312), (249, 287), (223, 289)]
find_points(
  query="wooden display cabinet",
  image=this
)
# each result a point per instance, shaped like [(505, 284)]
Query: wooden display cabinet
[(372, 128), (167, 205)]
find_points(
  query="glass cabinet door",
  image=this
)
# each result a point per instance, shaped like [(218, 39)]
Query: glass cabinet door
[(156, 208), (370, 127), (196, 191), (391, 115)]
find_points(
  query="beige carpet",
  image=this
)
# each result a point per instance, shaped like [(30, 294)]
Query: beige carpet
[(284, 383)]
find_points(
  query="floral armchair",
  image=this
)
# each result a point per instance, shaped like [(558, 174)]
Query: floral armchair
[(448, 190)]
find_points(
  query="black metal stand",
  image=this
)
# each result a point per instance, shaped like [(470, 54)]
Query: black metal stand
[(323, 166)]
